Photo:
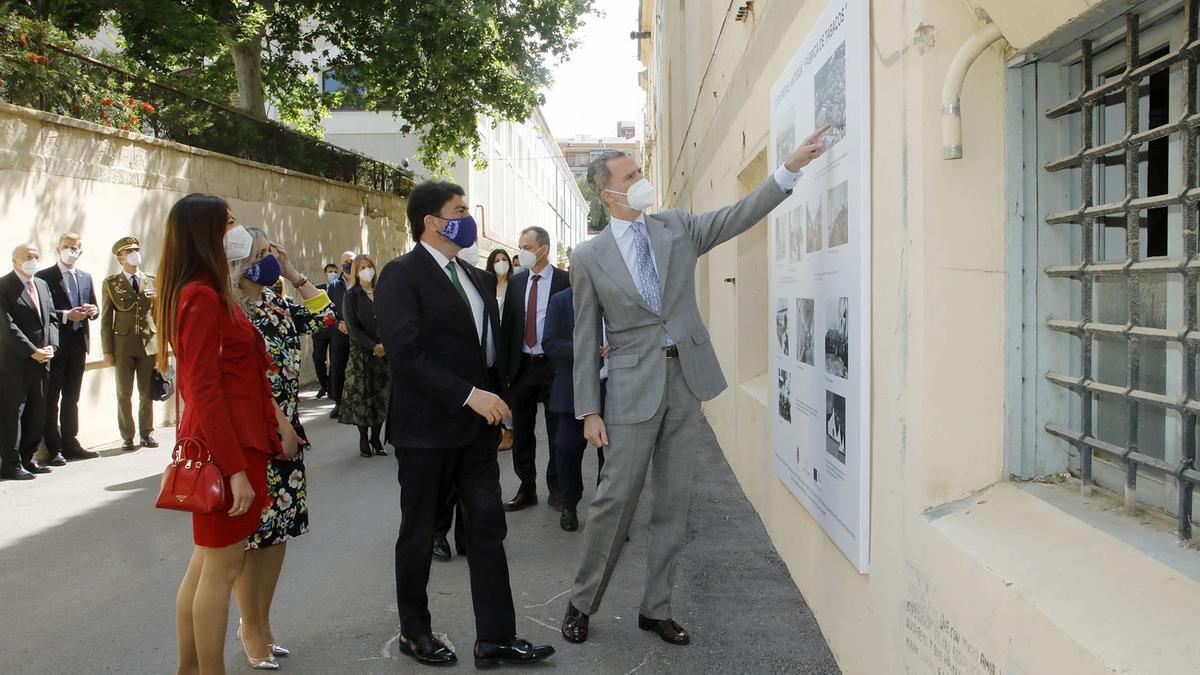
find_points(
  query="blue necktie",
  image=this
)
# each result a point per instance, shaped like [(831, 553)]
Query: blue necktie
[(73, 291), (647, 274)]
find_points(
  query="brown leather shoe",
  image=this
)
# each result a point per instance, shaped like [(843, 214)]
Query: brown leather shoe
[(667, 629), (574, 625), (506, 440)]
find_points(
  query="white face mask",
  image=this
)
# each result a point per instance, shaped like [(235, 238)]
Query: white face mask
[(640, 196), (68, 256), (29, 267), (470, 255), (501, 267), (134, 258), (528, 258), (366, 274), (238, 243)]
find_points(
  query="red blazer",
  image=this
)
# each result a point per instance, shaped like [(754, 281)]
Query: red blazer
[(221, 366)]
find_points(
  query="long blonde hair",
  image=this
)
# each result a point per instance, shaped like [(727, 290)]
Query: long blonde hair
[(354, 268)]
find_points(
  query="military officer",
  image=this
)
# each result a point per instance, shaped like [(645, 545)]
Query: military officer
[(127, 338)]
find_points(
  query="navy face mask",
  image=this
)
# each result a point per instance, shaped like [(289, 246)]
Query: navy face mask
[(462, 231), (265, 272)]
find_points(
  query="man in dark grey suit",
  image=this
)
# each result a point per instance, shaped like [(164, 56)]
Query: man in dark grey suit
[(28, 339), (638, 276)]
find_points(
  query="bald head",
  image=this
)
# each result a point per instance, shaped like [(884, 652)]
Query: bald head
[(25, 257)]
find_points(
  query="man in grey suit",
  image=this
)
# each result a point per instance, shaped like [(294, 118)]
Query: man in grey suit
[(638, 277)]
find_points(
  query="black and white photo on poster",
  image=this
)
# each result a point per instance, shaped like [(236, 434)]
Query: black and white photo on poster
[(837, 336), (814, 226), (829, 97), (783, 329), (804, 324), (795, 220), (839, 215), (835, 425), (785, 142), (785, 395), (779, 221)]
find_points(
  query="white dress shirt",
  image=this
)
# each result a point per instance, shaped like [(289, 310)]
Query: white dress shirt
[(546, 277), (129, 278)]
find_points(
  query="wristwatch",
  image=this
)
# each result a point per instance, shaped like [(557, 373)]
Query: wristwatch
[(299, 283)]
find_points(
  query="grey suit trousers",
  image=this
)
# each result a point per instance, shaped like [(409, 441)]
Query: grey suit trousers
[(668, 441)]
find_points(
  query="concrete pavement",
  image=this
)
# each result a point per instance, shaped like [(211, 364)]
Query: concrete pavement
[(88, 572)]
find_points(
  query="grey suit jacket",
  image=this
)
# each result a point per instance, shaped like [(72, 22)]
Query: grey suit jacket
[(604, 289)]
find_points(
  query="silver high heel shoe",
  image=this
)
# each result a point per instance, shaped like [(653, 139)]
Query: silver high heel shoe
[(268, 663), (280, 650)]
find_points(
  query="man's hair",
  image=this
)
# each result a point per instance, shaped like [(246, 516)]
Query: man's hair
[(336, 267), (543, 237), (598, 174), (427, 199), (69, 236)]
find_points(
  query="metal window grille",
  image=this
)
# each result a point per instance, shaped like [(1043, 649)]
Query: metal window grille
[(1098, 215)]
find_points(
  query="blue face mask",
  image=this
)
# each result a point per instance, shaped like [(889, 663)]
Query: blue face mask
[(265, 272), (332, 277), (461, 231)]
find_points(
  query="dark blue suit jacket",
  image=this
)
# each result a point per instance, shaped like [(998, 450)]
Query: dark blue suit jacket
[(60, 296), (558, 343)]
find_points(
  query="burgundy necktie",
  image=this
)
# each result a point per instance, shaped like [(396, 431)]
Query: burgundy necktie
[(531, 313)]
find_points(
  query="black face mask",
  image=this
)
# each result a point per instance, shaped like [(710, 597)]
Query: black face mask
[(346, 268)]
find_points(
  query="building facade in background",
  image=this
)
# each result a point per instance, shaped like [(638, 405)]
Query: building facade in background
[(1032, 331), (581, 150)]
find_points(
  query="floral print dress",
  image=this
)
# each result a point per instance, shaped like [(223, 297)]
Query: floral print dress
[(282, 321)]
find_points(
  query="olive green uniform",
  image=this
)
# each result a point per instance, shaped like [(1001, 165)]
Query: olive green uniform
[(127, 333)]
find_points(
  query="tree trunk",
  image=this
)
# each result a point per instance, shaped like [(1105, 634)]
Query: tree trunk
[(247, 62)]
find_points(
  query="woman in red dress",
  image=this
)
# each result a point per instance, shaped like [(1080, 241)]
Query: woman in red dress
[(221, 376)]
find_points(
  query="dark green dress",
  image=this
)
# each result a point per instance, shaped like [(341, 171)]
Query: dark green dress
[(367, 388)]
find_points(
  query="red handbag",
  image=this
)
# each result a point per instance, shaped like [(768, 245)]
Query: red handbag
[(192, 484)]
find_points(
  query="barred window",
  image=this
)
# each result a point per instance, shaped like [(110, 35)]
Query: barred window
[(1110, 258)]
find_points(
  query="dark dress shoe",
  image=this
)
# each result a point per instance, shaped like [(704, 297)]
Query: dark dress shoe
[(333, 414), (321, 392), (441, 548), (428, 650), (18, 473), (149, 442), (569, 520), (574, 625), (57, 460), (554, 502), (33, 467), (80, 454), (512, 650), (364, 448), (666, 629), (377, 446), (523, 500), (127, 445)]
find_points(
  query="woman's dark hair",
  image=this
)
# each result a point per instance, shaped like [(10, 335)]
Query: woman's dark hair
[(427, 199), (491, 261), (193, 248)]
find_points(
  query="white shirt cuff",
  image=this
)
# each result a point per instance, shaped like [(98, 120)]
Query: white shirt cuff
[(469, 396), (787, 179)]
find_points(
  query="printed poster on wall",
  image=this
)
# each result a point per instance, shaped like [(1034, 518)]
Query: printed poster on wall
[(821, 281)]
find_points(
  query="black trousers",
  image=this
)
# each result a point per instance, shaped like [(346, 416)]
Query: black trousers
[(427, 475), (530, 388), (62, 393), (22, 415), (321, 341), (452, 516), (339, 355), (571, 448)]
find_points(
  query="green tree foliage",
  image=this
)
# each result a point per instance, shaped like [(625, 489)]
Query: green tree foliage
[(597, 212), (438, 64)]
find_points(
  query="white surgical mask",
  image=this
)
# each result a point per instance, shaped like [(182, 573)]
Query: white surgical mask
[(366, 274), (501, 267), (640, 196), (527, 258), (68, 256), (238, 243), (29, 267), (134, 259), (470, 255), (332, 277)]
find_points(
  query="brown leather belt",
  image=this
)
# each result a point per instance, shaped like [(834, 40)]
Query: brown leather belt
[(672, 352)]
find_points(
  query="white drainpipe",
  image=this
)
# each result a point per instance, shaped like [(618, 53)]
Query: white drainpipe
[(952, 88)]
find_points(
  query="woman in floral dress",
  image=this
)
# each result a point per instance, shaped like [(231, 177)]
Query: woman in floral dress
[(281, 321)]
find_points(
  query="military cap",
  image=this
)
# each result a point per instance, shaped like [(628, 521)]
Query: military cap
[(125, 243)]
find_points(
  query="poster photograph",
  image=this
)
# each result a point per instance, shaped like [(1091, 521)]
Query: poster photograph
[(820, 281)]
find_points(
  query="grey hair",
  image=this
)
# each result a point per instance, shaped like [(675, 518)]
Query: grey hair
[(24, 248), (543, 237), (238, 267), (598, 174)]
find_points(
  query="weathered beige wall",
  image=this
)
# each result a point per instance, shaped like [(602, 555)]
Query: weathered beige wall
[(59, 175), (969, 574)]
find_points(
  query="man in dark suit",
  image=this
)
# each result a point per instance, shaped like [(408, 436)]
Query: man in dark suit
[(74, 299), (569, 442), (438, 318), (28, 339), (324, 337), (529, 372), (339, 337)]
